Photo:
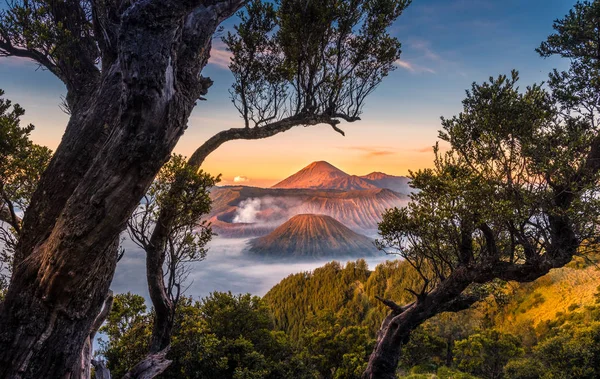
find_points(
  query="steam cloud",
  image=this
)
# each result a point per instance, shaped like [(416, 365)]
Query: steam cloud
[(241, 179), (247, 210)]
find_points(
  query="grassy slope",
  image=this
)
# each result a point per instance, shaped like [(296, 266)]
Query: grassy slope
[(541, 300)]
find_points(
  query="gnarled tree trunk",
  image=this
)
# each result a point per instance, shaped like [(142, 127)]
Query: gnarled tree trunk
[(130, 123), (448, 296)]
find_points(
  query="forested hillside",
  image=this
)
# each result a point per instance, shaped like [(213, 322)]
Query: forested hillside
[(548, 327), (322, 324)]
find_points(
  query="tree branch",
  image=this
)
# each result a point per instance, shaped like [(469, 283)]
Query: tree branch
[(460, 303), (8, 50), (7, 216), (392, 305), (255, 133), (151, 366), (7, 213)]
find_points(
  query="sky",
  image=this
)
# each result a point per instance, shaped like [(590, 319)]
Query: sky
[(446, 46)]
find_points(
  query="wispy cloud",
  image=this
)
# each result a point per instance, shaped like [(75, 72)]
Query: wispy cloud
[(220, 56), (413, 67), (427, 149), (443, 147), (426, 51), (372, 151)]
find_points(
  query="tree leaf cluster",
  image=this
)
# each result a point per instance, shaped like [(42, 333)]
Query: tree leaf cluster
[(295, 57)]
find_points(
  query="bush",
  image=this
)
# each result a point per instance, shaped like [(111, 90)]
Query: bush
[(525, 368)]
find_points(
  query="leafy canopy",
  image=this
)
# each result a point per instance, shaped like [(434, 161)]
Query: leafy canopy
[(183, 192), (294, 57)]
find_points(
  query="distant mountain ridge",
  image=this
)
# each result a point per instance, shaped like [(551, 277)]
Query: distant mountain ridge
[(323, 175), (359, 210), (319, 188), (312, 236), (399, 184)]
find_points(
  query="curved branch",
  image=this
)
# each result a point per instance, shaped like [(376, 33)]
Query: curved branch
[(266, 131), (150, 367), (8, 50)]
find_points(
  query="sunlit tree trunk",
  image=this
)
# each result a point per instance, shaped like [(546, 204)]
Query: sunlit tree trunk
[(119, 135)]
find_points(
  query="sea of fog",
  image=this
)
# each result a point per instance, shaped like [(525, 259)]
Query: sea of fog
[(226, 268)]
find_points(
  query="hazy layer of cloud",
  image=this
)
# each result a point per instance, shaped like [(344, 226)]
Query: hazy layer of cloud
[(226, 268), (220, 56), (372, 151)]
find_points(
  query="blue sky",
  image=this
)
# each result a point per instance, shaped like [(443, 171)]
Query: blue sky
[(447, 45)]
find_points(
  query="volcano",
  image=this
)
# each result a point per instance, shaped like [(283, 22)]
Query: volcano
[(313, 236), (323, 175)]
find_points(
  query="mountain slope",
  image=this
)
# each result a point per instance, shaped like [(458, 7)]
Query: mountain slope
[(395, 183), (323, 175), (266, 208), (312, 236), (315, 175)]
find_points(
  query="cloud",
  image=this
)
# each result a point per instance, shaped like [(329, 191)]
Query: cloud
[(241, 179), (227, 267), (424, 48), (372, 151), (443, 147), (412, 67), (427, 149), (220, 56)]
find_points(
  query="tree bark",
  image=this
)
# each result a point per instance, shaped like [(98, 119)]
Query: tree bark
[(100, 370), (150, 367), (398, 325), (134, 119), (83, 366)]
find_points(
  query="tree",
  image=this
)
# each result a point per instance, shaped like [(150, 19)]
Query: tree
[(222, 336), (21, 165), (132, 74), (485, 354), (514, 197), (295, 63), (186, 238), (131, 70)]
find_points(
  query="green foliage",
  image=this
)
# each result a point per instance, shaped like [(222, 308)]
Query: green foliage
[(21, 165), (524, 368), (448, 373), (181, 191), (423, 348), (576, 38), (222, 336), (230, 336), (296, 58), (573, 349), (128, 331), (485, 354), (49, 34), (335, 347)]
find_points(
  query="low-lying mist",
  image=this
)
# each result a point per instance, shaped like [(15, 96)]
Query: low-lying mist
[(226, 268)]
